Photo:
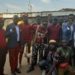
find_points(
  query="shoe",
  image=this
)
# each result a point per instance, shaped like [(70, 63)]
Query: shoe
[(13, 73), (18, 71), (3, 74), (30, 70)]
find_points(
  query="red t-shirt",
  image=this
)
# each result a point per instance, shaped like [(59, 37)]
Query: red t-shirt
[(2, 39), (54, 31), (40, 34), (27, 33)]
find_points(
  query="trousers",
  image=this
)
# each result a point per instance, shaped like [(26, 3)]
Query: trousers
[(13, 57), (3, 53), (37, 50)]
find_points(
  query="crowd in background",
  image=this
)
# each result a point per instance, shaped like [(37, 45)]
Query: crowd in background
[(50, 38)]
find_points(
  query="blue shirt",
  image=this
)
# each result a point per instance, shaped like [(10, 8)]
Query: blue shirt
[(67, 31)]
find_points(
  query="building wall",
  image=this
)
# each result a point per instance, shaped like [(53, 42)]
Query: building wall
[(34, 14)]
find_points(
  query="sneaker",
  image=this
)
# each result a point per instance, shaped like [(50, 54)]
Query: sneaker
[(18, 71)]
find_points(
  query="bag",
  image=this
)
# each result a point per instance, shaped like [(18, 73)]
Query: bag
[(64, 65)]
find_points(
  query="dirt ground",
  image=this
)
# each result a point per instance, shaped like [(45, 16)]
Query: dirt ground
[(24, 68)]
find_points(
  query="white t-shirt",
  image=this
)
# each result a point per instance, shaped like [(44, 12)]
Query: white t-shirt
[(18, 33)]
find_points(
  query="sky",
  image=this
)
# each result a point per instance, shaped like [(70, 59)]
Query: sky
[(36, 5)]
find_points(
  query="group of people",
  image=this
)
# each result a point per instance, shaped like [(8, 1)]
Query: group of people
[(41, 36)]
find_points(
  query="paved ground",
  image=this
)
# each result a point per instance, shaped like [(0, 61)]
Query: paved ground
[(24, 68)]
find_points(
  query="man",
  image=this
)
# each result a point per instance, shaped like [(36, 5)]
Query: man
[(49, 19), (71, 23), (13, 36), (27, 35), (46, 33), (65, 53), (68, 29), (65, 31), (54, 30), (38, 45), (49, 58), (22, 43), (74, 48), (3, 49), (60, 20)]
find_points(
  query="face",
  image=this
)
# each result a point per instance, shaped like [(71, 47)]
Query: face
[(64, 44), (54, 22), (52, 46), (70, 18), (25, 19), (1, 24), (45, 25), (15, 19), (38, 19), (50, 18)]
